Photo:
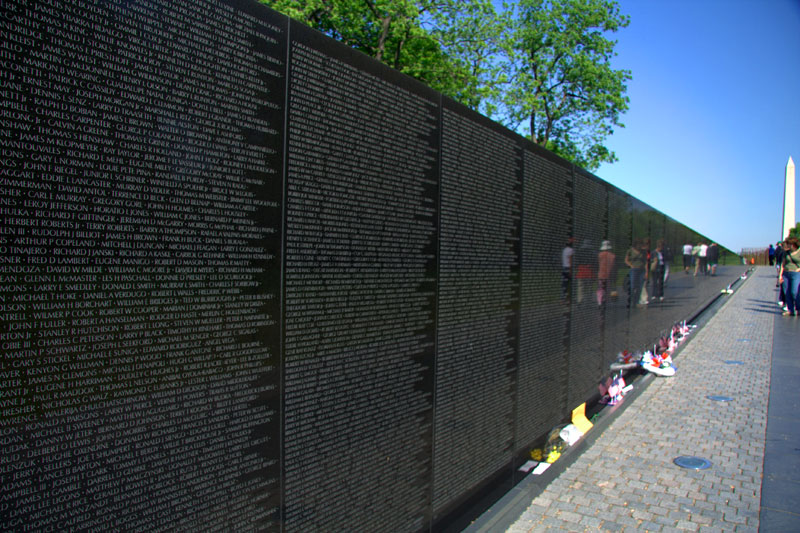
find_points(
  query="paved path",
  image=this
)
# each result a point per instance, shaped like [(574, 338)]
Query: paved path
[(780, 490), (626, 479)]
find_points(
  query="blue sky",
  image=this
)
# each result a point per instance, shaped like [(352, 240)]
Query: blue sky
[(714, 113)]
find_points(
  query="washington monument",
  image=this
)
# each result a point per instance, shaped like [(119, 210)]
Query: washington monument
[(789, 219)]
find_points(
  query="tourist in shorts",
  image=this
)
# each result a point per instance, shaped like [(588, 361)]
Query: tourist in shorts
[(687, 257)]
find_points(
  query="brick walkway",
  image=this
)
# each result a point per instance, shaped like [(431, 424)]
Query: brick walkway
[(626, 480)]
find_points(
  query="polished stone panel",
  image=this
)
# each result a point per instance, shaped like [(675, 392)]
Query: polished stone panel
[(252, 279)]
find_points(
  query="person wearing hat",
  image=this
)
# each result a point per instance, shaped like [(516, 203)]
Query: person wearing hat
[(605, 271)]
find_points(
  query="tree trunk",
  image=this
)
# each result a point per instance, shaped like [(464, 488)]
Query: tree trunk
[(533, 126), (399, 49), (387, 20)]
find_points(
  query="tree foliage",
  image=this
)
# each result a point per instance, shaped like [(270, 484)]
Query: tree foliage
[(446, 44), (540, 67), (562, 81)]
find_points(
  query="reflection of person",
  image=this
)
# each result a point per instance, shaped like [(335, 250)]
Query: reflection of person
[(636, 259), (771, 254), (789, 276), (584, 273), (695, 254), (667, 251), (657, 267), (605, 272), (566, 270), (712, 258), (702, 255), (687, 257), (701, 259), (644, 298)]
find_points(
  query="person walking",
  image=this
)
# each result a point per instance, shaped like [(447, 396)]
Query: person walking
[(657, 266), (696, 257), (771, 254), (779, 252), (702, 259), (789, 276), (712, 257), (687, 257), (605, 272), (636, 259), (667, 251)]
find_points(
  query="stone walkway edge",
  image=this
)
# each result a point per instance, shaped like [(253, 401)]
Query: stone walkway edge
[(621, 475)]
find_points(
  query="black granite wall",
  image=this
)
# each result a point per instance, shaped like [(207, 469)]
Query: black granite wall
[(253, 280)]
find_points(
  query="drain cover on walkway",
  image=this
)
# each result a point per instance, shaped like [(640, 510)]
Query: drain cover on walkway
[(732, 362), (719, 398), (694, 463)]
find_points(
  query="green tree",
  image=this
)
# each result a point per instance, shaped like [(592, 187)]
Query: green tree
[(387, 30), (561, 80), (540, 67), (450, 45), (471, 35), (795, 231)]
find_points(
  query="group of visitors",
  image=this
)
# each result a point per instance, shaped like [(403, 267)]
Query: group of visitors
[(786, 257), (703, 257), (646, 264), (653, 265)]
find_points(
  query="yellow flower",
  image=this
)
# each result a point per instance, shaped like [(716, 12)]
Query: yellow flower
[(553, 456)]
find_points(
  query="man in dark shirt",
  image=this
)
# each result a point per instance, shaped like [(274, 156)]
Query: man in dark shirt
[(778, 261), (712, 258)]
